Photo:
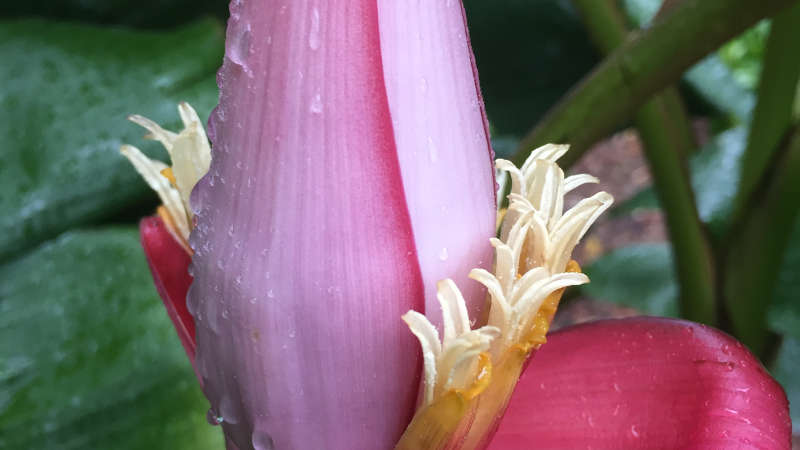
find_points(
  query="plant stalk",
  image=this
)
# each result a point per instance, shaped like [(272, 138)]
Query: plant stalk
[(754, 257), (643, 65), (667, 140), (768, 198), (772, 117)]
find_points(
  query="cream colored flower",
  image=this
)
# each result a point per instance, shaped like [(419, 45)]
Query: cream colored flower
[(190, 153), (537, 193), (536, 242), (452, 362)]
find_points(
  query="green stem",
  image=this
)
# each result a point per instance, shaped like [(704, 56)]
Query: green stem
[(773, 113), (694, 262), (755, 255), (768, 198), (667, 139), (642, 66)]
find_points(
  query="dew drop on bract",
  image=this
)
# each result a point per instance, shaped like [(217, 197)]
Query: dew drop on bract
[(262, 441), (313, 35), (213, 418)]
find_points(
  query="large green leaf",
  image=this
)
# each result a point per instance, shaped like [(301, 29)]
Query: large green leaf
[(88, 357), (65, 91), (640, 276), (146, 13)]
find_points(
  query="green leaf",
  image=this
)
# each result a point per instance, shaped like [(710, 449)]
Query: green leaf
[(65, 91), (715, 176), (640, 276), (88, 357), (714, 81), (784, 313), (528, 53), (785, 370), (147, 13)]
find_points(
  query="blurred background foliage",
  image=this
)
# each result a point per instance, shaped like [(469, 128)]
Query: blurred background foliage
[(88, 358)]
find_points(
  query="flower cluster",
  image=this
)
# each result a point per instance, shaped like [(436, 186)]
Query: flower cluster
[(531, 269)]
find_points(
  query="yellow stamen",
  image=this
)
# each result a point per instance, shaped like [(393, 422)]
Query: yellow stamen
[(169, 222), (446, 420), (167, 173)]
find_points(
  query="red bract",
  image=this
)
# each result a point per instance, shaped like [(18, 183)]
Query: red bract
[(169, 264), (645, 383)]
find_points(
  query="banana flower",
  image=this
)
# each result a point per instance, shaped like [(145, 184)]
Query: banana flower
[(348, 218)]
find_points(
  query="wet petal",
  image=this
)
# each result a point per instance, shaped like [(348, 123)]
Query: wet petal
[(644, 383), (304, 254), (442, 142)]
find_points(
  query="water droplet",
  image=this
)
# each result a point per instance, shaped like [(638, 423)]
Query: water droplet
[(271, 293), (649, 335), (443, 255), (316, 104), (423, 85), (226, 313), (213, 418), (617, 388), (262, 441), (239, 43), (433, 152), (227, 411), (253, 300), (635, 431), (313, 35)]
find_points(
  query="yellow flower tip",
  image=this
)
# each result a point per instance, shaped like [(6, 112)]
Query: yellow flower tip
[(483, 377), (167, 173)]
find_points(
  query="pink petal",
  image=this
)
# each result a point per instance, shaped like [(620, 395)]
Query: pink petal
[(168, 263), (442, 142), (645, 383), (304, 254)]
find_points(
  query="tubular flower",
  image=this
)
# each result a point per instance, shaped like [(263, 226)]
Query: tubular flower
[(351, 185)]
